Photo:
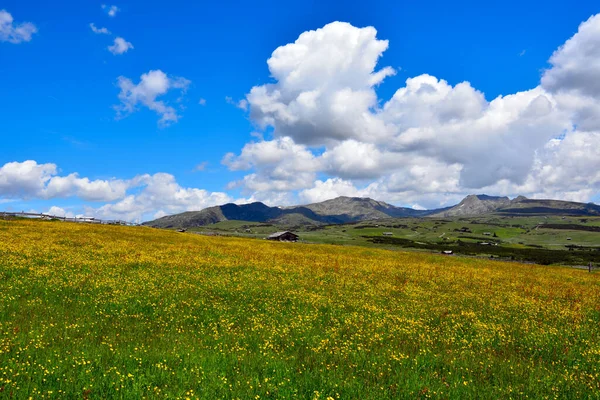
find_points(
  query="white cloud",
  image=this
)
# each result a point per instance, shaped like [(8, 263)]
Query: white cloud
[(329, 189), (576, 64), (281, 165), (141, 197), (12, 32), (272, 199), (269, 153), (29, 179), (493, 141), (325, 86), (431, 142), (111, 10), (97, 190), (279, 181), (201, 167), (153, 84), (202, 102), (56, 211), (120, 46), (574, 77), (25, 179), (160, 195), (241, 104), (99, 31), (352, 159), (567, 168)]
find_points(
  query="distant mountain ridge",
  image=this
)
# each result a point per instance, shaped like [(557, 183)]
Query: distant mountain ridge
[(475, 204), (335, 211), (521, 205), (353, 209)]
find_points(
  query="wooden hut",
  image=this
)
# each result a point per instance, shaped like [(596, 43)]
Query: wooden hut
[(285, 236)]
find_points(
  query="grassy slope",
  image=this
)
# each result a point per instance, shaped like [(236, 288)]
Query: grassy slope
[(123, 312), (509, 233), (512, 232)]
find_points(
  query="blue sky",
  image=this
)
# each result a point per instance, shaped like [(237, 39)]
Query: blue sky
[(60, 88)]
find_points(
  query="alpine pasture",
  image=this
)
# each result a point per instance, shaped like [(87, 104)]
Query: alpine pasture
[(96, 312)]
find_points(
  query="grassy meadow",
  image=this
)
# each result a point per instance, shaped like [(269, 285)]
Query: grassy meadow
[(542, 239), (96, 312)]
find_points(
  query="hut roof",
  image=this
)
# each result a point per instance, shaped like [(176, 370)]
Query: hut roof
[(278, 234)]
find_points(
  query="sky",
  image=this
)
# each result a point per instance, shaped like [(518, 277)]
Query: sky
[(134, 110)]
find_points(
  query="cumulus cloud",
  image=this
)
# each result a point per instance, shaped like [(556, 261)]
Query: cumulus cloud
[(25, 179), (281, 165), (160, 195), (325, 86), (120, 46), (352, 159), (59, 212), (567, 168), (270, 198), (152, 85), (493, 141), (141, 197), (29, 179), (86, 189), (329, 189), (574, 77), (14, 32), (111, 10), (431, 142), (99, 31), (576, 64), (241, 104)]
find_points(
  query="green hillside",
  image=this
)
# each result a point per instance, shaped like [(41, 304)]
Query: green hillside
[(99, 312)]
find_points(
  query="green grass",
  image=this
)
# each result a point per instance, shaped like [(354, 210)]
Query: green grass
[(519, 233), (103, 312)]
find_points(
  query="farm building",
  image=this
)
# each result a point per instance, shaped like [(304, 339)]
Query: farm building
[(285, 236), (388, 233)]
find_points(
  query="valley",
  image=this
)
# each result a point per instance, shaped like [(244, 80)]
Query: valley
[(540, 231)]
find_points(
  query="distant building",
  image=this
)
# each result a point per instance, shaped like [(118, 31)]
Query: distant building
[(448, 252), (285, 236), (487, 233), (388, 233)]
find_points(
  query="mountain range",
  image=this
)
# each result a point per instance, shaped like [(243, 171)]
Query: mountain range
[(353, 209)]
